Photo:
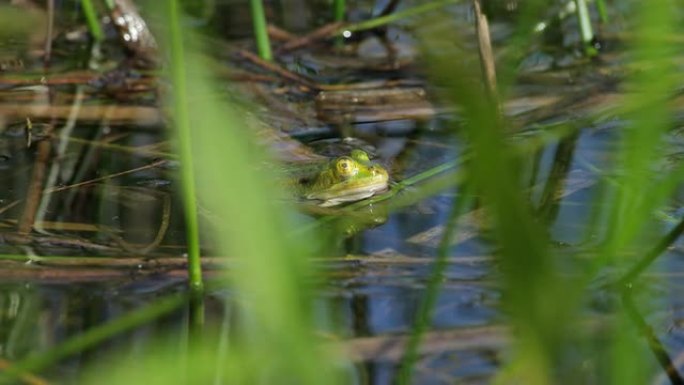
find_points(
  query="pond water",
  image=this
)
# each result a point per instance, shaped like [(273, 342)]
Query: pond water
[(377, 276)]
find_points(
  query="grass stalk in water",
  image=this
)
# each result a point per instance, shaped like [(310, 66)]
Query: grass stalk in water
[(602, 10), (260, 32), (182, 122), (92, 20), (339, 9), (427, 305), (586, 30)]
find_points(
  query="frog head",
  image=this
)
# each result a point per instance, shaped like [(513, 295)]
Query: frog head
[(348, 178)]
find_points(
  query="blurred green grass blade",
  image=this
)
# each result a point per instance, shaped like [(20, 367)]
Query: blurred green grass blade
[(179, 107), (532, 285), (639, 190), (648, 110), (272, 277)]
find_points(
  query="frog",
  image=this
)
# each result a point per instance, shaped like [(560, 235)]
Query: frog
[(345, 179)]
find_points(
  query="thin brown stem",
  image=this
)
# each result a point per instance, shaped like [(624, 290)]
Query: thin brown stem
[(49, 32), (324, 32), (28, 216), (485, 50)]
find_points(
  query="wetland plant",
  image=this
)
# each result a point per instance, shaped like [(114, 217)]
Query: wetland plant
[(267, 334)]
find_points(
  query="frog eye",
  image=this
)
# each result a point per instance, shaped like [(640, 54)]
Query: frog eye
[(346, 167)]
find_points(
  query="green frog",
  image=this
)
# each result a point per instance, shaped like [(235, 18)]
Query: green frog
[(345, 179)]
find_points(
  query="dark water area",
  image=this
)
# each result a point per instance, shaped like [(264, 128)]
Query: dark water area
[(376, 277)]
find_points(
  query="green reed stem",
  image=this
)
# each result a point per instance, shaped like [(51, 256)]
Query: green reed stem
[(339, 8), (602, 10), (586, 30), (91, 19), (427, 305), (39, 361), (384, 20), (260, 32), (13, 257), (339, 11), (181, 115)]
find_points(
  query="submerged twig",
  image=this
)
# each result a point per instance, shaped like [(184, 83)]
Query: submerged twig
[(321, 33), (279, 34), (275, 68), (100, 179), (119, 114), (159, 237), (35, 190)]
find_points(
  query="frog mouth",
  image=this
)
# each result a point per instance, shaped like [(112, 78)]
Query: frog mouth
[(345, 194)]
